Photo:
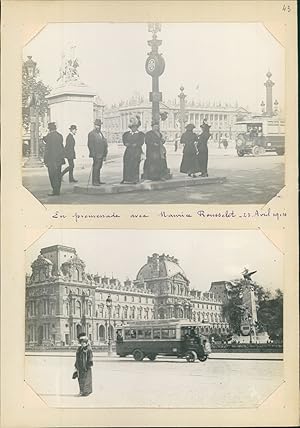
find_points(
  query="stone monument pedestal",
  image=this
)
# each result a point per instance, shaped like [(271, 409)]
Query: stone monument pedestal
[(73, 104)]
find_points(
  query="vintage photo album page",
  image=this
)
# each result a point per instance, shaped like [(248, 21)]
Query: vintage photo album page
[(149, 215)]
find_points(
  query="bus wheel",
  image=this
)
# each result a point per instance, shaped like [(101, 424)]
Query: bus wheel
[(280, 152), (151, 357), (240, 154), (138, 355), (190, 356), (203, 358)]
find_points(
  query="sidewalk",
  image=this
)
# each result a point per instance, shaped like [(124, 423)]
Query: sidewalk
[(213, 356)]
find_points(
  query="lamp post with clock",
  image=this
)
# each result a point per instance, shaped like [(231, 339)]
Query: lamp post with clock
[(155, 66)]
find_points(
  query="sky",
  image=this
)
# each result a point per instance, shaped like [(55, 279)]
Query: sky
[(227, 62), (205, 256)]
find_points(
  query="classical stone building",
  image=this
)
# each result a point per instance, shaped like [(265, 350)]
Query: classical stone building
[(62, 299), (221, 117)]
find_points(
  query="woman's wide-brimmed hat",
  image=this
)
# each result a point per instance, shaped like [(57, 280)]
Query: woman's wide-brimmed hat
[(82, 336), (134, 121), (190, 127)]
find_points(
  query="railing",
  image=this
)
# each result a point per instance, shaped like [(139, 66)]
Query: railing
[(65, 348), (247, 347)]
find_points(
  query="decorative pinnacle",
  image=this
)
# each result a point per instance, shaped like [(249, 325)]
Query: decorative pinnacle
[(269, 74)]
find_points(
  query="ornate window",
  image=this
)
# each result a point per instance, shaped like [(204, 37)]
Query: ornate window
[(140, 313), (78, 309)]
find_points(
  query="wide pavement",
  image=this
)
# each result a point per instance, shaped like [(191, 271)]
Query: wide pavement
[(223, 381), (250, 180)]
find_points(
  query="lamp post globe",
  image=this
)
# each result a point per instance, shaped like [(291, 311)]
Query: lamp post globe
[(30, 67), (109, 306)]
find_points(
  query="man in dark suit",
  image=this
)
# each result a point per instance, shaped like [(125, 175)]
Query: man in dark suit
[(70, 154), (97, 145), (54, 157)]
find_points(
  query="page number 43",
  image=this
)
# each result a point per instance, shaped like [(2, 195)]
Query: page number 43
[(286, 8)]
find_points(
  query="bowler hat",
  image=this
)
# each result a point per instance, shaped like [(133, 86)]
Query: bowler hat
[(98, 122), (52, 126), (190, 126), (73, 127)]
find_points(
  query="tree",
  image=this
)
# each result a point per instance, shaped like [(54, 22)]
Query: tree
[(33, 85), (270, 315), (232, 309)]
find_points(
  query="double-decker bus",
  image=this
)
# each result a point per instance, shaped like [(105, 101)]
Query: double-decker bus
[(172, 337)]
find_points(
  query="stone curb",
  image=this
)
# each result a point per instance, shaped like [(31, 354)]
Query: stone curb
[(147, 185)]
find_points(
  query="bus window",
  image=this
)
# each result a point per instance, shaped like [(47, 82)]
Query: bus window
[(156, 333), (119, 337), (133, 334), (147, 333), (140, 334), (127, 333), (184, 332), (168, 333)]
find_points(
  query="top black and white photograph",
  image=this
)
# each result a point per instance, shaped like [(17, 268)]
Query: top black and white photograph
[(153, 113)]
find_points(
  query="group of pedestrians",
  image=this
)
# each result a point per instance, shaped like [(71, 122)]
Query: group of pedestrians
[(194, 160)]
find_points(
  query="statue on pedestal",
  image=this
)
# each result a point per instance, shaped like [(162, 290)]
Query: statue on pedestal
[(68, 72)]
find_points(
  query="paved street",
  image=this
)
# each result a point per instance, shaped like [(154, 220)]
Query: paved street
[(224, 380), (250, 180)]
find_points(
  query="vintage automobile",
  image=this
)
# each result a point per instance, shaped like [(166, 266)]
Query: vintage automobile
[(260, 135)]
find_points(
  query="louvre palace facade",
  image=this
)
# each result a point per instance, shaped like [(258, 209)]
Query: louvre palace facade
[(62, 299)]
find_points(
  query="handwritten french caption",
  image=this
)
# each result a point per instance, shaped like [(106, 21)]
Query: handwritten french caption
[(200, 214)]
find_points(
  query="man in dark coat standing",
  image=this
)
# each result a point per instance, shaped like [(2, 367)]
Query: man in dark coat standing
[(54, 157), (70, 154), (97, 145)]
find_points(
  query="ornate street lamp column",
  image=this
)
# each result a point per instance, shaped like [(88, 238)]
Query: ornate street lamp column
[(182, 98), (155, 66), (269, 103), (34, 160), (83, 317), (70, 320), (109, 306)]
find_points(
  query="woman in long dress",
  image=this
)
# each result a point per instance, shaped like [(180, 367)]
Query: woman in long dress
[(83, 364), (190, 162), (155, 166), (133, 140), (203, 149)]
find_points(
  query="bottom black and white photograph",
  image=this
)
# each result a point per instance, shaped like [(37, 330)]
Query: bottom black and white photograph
[(154, 318)]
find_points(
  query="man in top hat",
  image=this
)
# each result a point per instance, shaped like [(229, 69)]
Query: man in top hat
[(54, 157), (97, 145), (70, 154)]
